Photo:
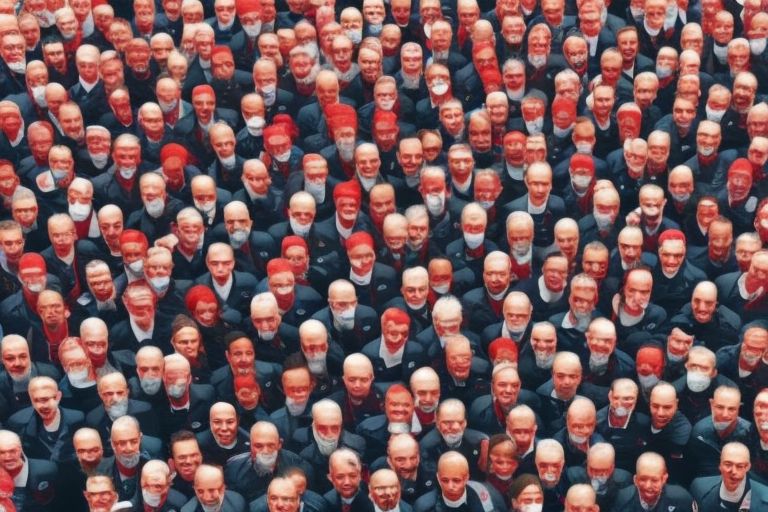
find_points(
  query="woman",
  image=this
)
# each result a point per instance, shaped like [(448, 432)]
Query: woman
[(202, 305), (526, 494), (502, 462), (187, 341)]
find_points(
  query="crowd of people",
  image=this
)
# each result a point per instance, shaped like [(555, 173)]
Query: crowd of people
[(384, 256)]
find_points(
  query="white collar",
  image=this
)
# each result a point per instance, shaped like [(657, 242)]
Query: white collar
[(592, 41), (21, 479), (629, 320), (463, 187), (184, 407), (19, 136), (516, 173), (205, 64), (742, 283), (86, 85), (455, 504), (343, 232), (223, 290), (536, 210), (69, 258), (364, 280), (548, 296), (733, 496), (391, 359), (54, 426), (140, 333)]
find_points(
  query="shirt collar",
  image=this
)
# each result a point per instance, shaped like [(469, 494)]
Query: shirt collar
[(21, 479), (224, 290), (140, 333)]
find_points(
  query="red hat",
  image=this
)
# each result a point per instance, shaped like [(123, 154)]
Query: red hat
[(246, 6), (349, 188), (292, 241), (740, 166), (339, 115), (396, 315), (491, 77), (359, 238), (203, 89), (579, 161), (32, 260), (500, 345), (652, 355), (671, 234), (563, 104), (196, 294), (385, 118), (274, 130), (172, 149), (133, 236), (221, 49), (277, 266), (290, 126)]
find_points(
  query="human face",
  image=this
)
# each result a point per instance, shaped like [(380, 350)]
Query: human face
[(100, 496), (224, 425), (187, 458), (241, 357)]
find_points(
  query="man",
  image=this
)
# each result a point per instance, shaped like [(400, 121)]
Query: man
[(18, 370), (186, 457), (115, 402), (581, 497), (348, 323), (224, 439), (673, 281), (398, 418), (39, 473), (651, 490), (699, 383), (457, 488), (156, 493), (721, 427), (670, 430), (451, 434), (550, 467), (45, 428), (580, 431), (249, 473), (484, 305), (704, 318), (188, 404), (733, 485), (100, 496), (132, 450), (349, 492), (601, 473), (211, 493), (489, 413), (392, 357), (360, 399), (232, 287), (325, 435)]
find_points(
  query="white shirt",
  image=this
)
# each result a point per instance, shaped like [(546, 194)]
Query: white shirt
[(455, 504), (536, 210), (391, 359), (21, 479), (223, 290), (87, 86), (343, 232), (140, 333), (361, 280), (735, 496), (548, 296), (55, 424)]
